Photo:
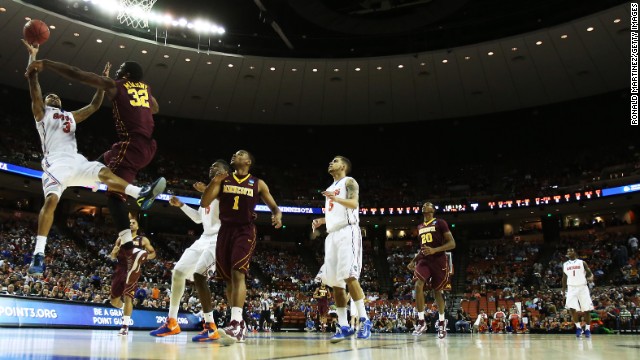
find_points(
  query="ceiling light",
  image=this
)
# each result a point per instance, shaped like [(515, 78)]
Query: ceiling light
[(335, 70), (294, 69), (165, 56), (514, 49), (121, 46), (445, 61), (357, 69), (315, 70), (50, 26), (590, 28), (230, 65), (2, 9), (400, 66), (423, 64), (272, 69), (99, 41), (616, 21), (564, 36), (467, 57), (144, 51), (490, 53), (208, 62), (252, 67), (187, 59), (379, 68), (76, 34), (538, 42)]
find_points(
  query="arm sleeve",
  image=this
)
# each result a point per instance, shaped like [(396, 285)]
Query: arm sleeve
[(192, 213)]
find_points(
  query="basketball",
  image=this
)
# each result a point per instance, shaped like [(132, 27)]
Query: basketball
[(36, 32)]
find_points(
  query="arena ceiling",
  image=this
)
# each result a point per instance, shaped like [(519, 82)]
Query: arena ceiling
[(312, 62)]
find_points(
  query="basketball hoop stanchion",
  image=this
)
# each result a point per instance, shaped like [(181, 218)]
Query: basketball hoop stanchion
[(135, 13)]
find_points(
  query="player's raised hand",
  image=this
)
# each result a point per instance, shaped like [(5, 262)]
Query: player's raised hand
[(31, 48), (199, 186), (107, 68), (174, 201)]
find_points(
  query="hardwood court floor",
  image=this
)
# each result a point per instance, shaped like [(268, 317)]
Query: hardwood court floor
[(54, 344)]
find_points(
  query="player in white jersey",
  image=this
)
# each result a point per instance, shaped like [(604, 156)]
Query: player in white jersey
[(343, 247), (61, 163), (195, 263), (575, 280)]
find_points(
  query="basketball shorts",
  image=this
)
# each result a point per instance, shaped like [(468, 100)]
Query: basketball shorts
[(578, 298), (321, 278), (199, 257), (123, 282), (126, 158), (342, 256), (323, 309), (434, 271), (63, 170), (236, 244)]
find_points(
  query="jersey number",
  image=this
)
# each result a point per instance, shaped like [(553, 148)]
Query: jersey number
[(140, 97), (66, 127), (235, 202), (427, 238)]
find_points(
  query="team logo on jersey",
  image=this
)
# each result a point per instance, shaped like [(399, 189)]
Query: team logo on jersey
[(251, 182)]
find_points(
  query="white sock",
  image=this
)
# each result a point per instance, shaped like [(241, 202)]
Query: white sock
[(578, 326), (125, 236), (41, 242), (587, 327), (362, 312), (236, 314), (126, 319), (342, 316), (441, 316), (133, 191), (177, 290), (208, 317), (421, 315)]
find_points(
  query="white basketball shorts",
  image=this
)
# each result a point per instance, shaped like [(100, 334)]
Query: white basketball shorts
[(578, 298), (342, 256), (199, 257), (63, 170)]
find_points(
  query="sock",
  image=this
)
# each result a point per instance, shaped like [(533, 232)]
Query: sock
[(125, 236), (125, 320), (236, 314), (342, 316), (208, 317), (441, 316), (587, 327), (578, 326), (177, 290), (133, 191), (41, 242), (421, 315), (362, 312)]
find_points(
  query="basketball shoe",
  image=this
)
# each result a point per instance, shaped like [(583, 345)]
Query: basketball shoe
[(364, 332), (442, 329), (170, 327), (342, 332), (37, 265), (421, 326), (579, 332), (232, 333), (124, 330), (587, 333), (149, 192), (209, 333)]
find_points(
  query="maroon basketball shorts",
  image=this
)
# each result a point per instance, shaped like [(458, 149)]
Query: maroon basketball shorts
[(124, 281), (323, 309), (126, 158), (235, 247), (433, 271)]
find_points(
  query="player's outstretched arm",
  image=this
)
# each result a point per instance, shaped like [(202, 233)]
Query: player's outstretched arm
[(265, 195), (81, 115), (37, 104), (73, 73), (190, 212)]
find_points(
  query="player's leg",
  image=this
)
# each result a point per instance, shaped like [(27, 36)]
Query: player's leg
[(126, 315), (442, 321), (421, 325), (45, 220), (206, 261), (364, 330)]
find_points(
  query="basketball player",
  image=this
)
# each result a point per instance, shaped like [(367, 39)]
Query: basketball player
[(62, 164), (499, 320), (195, 263), (343, 247), (322, 295), (575, 285), (238, 194), (430, 266), (124, 281), (133, 109)]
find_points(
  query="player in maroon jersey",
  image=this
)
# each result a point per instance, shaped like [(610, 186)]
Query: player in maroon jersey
[(238, 194), (322, 295), (124, 281), (431, 266), (133, 109)]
